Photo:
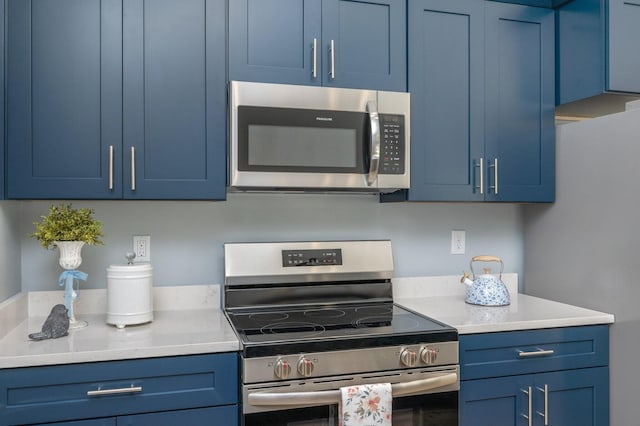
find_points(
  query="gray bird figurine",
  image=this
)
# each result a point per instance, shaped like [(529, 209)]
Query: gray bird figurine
[(56, 325)]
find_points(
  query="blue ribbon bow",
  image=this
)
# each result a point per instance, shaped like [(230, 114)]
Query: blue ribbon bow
[(67, 279)]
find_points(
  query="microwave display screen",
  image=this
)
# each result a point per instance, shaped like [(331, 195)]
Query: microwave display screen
[(298, 146)]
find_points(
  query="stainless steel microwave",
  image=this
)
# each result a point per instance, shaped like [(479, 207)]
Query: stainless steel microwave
[(307, 138)]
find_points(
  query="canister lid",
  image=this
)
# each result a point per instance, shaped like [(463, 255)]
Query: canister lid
[(131, 268)]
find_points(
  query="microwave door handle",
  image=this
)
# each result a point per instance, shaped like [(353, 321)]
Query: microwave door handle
[(304, 399), (374, 150)]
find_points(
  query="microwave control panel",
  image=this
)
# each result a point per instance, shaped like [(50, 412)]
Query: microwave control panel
[(392, 146)]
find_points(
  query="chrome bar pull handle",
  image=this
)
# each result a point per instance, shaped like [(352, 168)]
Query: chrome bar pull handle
[(494, 166), (314, 50), (529, 404), (332, 59), (374, 149), (133, 168), (119, 391), (545, 414), (481, 166), (110, 167), (539, 352)]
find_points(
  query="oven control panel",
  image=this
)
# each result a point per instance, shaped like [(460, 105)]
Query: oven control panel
[(313, 257), (320, 364)]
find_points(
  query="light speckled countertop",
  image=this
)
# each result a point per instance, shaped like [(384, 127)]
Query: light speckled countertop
[(187, 322), (442, 298)]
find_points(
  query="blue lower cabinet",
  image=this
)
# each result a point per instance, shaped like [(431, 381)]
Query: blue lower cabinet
[(202, 389), (210, 416), (552, 377), (573, 398)]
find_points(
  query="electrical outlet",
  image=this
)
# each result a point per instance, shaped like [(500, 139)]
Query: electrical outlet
[(458, 237), (142, 248)]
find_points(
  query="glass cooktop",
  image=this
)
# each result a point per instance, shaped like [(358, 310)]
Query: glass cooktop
[(264, 333)]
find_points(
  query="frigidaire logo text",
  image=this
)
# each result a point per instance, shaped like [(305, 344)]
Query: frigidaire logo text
[(324, 118)]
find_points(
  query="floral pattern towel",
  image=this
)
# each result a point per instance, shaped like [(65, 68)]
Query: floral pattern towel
[(366, 405)]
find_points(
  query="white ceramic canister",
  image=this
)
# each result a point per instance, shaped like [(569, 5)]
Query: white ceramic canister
[(129, 294)]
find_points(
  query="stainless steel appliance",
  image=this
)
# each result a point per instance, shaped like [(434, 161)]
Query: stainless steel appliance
[(306, 138), (313, 317)]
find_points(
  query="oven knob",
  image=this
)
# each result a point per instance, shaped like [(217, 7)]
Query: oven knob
[(428, 355), (282, 369), (305, 366), (408, 357)]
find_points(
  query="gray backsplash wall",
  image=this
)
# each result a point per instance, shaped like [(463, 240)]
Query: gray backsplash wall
[(583, 249), (9, 249), (187, 237)]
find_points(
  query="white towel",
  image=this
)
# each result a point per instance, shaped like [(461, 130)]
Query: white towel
[(366, 405)]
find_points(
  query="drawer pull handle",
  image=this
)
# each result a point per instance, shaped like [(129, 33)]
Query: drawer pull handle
[(539, 352), (105, 392)]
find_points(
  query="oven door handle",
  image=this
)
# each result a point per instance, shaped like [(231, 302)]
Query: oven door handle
[(374, 148), (334, 396)]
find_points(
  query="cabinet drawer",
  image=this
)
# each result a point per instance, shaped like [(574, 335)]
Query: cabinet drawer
[(520, 352), (67, 392)]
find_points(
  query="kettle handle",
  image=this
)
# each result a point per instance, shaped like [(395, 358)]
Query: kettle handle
[(486, 258)]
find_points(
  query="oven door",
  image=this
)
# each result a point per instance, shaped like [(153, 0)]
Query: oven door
[(420, 396)]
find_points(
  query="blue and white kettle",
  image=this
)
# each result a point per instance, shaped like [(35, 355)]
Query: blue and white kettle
[(486, 289)]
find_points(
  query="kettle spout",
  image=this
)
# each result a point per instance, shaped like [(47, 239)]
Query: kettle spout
[(465, 279)]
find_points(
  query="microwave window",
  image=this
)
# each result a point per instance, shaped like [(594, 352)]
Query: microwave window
[(291, 146)]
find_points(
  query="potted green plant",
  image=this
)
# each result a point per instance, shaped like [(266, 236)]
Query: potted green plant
[(69, 229)]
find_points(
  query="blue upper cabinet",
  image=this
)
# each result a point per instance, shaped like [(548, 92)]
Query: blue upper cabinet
[(2, 102), (446, 82), (174, 85), (482, 90), (106, 102), (519, 103), (343, 43), (64, 98), (597, 48)]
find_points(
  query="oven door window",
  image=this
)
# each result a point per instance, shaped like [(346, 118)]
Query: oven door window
[(433, 409), (301, 140)]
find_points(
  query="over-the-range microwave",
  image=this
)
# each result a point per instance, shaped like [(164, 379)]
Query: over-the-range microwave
[(307, 138)]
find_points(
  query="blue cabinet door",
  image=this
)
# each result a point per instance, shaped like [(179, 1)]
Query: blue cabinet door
[(369, 44), (495, 402), (446, 82), (174, 121), (519, 103), (64, 98), (574, 397), (209, 416), (273, 41), (624, 57), (290, 42), (580, 50)]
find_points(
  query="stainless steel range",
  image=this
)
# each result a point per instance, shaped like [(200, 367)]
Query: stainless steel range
[(313, 317)]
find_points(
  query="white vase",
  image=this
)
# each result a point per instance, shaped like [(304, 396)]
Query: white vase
[(70, 257)]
